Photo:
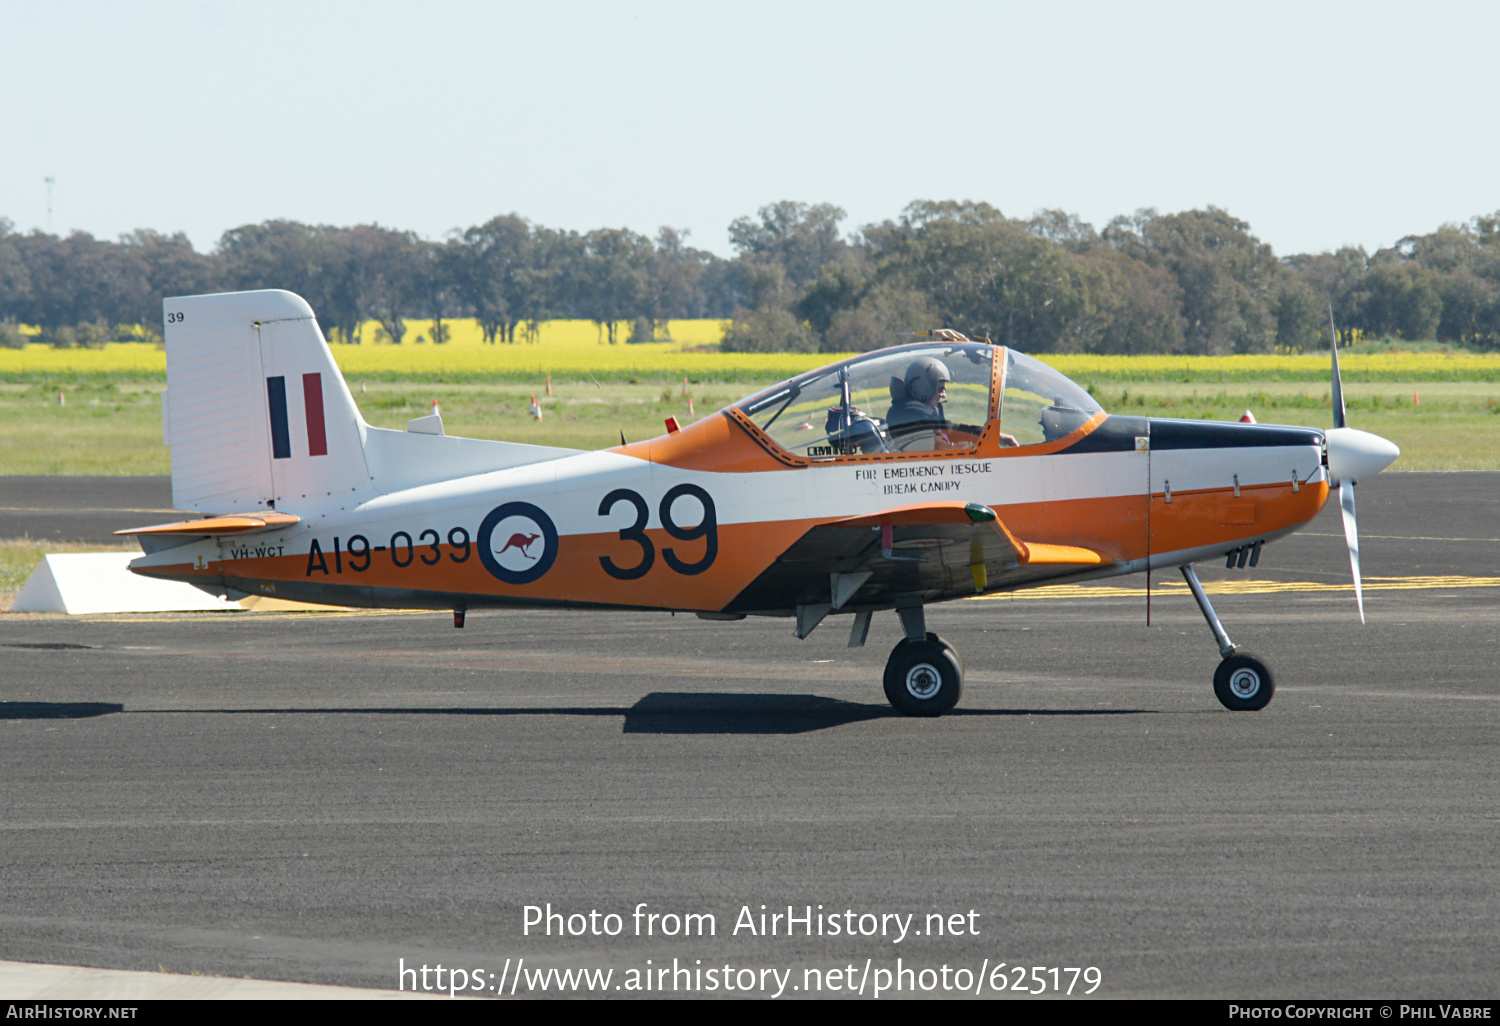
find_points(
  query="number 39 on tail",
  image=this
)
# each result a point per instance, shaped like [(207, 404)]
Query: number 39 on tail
[(921, 473)]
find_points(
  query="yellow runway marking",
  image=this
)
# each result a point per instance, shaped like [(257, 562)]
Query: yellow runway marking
[(1259, 587)]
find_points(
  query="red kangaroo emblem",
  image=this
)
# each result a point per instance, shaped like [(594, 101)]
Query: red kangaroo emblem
[(520, 541)]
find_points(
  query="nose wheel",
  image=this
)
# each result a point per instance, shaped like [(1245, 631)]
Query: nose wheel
[(1242, 683), (924, 676)]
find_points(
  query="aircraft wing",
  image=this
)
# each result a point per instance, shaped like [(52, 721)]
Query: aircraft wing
[(930, 548)]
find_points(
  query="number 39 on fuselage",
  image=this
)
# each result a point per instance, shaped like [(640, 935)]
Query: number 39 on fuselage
[(925, 472)]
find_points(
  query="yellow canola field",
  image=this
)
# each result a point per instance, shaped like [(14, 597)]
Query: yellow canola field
[(572, 350), (122, 359), (565, 349), (465, 333)]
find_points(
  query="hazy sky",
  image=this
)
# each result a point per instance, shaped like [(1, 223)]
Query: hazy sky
[(1320, 124)]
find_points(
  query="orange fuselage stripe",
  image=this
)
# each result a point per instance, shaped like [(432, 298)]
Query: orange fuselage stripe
[(1119, 528)]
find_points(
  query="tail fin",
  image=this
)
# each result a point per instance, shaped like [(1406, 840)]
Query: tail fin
[(238, 364)]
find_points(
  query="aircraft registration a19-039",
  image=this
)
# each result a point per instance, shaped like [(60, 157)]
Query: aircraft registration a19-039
[(916, 474)]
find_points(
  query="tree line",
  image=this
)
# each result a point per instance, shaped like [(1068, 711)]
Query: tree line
[(1192, 282)]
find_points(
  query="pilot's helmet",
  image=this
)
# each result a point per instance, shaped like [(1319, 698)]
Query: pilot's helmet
[(925, 377)]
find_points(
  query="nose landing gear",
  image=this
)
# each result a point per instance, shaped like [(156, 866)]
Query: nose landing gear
[(1242, 683)]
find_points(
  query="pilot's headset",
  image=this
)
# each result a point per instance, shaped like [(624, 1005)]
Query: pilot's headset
[(925, 377)]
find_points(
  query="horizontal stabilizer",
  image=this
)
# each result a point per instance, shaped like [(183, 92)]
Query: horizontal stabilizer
[(235, 523)]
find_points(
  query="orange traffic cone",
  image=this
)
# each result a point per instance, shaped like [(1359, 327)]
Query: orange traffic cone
[(549, 384), (1248, 418), (690, 407), (536, 408)]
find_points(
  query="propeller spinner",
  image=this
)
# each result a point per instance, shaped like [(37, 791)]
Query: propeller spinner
[(1352, 455)]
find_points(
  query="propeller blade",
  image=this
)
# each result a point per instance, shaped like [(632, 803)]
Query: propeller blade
[(1351, 535), (1338, 381)]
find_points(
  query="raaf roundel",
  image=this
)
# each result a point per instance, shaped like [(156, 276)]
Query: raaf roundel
[(925, 472)]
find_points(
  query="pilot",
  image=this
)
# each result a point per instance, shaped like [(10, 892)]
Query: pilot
[(917, 403), (917, 396)]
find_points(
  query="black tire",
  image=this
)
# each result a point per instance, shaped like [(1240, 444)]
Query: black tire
[(924, 678), (1243, 683)]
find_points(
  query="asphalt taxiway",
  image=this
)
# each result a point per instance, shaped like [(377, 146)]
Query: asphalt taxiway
[(313, 797), (83, 509)]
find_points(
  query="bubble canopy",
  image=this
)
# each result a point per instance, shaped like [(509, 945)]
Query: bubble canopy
[(919, 398), (1040, 404)]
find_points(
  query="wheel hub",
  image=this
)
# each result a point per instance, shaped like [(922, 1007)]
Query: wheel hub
[(1244, 683), (923, 681)]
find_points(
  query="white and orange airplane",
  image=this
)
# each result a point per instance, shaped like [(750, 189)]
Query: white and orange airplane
[(921, 473)]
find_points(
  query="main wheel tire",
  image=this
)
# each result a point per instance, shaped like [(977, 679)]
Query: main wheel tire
[(924, 678), (1243, 683)]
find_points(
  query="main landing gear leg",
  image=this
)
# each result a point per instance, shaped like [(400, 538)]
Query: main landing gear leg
[(1242, 682), (924, 675)]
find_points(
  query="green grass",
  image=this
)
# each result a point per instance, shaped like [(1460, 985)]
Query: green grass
[(108, 427), (113, 427)]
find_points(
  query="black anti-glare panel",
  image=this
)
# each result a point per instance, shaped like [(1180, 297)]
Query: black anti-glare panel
[(1116, 434), (1218, 434)]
